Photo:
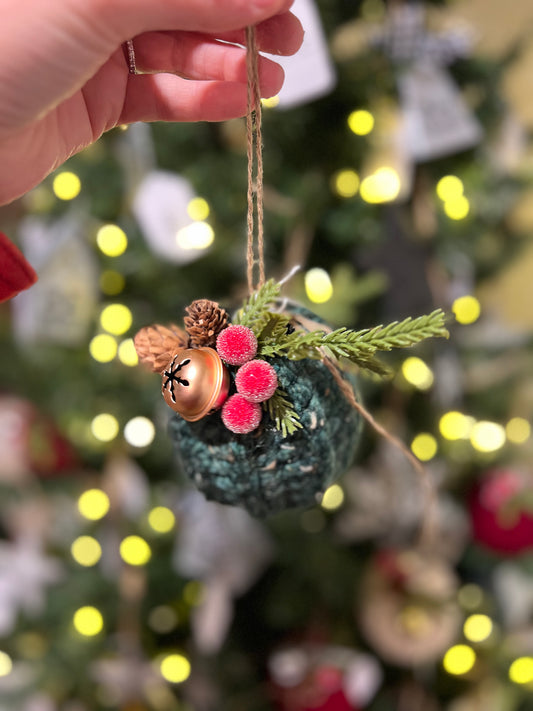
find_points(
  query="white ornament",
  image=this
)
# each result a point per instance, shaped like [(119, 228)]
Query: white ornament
[(161, 207), (60, 307), (225, 548), (25, 573), (309, 74), (437, 121)]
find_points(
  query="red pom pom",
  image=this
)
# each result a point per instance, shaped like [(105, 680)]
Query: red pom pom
[(256, 380), (236, 345), (241, 416)]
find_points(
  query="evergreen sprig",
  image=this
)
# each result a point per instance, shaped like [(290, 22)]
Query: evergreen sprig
[(255, 313), (282, 413), (358, 346)]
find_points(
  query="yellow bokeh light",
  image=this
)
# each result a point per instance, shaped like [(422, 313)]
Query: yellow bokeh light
[(454, 425), (66, 185), (103, 348), (198, 235), (318, 286), (161, 519), (521, 670), (139, 432), (116, 319), (450, 187), (466, 309), (198, 209), (88, 621), (271, 102), (459, 659), (86, 551), (111, 240), (162, 619), (417, 373), (194, 592), (478, 628), (112, 282), (457, 208), (105, 427), (127, 353), (424, 446), (518, 430), (361, 122), (6, 664), (382, 186), (487, 436), (470, 596), (345, 183), (93, 504), (333, 498), (134, 550), (175, 668)]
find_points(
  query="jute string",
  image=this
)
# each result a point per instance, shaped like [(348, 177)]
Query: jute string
[(255, 257), (255, 242)]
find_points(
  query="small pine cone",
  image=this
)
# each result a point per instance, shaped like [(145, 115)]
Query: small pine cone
[(156, 345), (204, 321)]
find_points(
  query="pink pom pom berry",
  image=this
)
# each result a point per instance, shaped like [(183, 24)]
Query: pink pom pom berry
[(236, 344), (256, 381), (241, 416)]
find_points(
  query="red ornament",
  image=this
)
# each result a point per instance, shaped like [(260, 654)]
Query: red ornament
[(241, 416), (16, 274), (256, 381), (236, 344), (498, 522)]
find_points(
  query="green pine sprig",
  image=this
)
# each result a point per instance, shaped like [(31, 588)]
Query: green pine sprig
[(282, 413), (359, 347), (255, 313)]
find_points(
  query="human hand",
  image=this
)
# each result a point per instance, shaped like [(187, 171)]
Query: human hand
[(64, 79)]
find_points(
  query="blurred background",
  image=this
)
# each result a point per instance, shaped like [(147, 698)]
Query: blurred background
[(399, 175)]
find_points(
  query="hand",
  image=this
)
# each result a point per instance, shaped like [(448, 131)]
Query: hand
[(64, 79)]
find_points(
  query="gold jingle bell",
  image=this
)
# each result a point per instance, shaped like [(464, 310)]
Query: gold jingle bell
[(195, 383)]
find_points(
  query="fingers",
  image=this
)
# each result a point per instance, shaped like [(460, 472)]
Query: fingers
[(281, 34), (199, 57), (165, 97), (131, 17)]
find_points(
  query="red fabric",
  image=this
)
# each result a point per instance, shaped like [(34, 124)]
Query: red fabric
[(16, 274)]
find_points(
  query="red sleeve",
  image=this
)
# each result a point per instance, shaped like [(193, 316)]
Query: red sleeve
[(16, 274)]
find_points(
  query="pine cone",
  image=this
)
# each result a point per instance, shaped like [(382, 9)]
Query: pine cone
[(204, 321), (156, 345)]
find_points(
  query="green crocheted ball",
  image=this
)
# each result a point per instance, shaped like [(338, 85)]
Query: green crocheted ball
[(263, 471)]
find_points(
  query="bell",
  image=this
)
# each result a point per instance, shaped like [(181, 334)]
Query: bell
[(195, 383)]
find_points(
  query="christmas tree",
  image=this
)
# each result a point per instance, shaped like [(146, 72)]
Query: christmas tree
[(396, 178)]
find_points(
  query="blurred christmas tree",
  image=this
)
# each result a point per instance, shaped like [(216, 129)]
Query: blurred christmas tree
[(397, 176)]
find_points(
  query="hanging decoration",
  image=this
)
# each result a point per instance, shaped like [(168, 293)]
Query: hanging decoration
[(309, 74), (437, 122), (267, 411)]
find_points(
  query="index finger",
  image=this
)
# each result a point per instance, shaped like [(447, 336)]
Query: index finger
[(281, 34), (126, 18)]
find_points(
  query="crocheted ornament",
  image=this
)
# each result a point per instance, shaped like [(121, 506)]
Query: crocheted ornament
[(264, 471), (285, 451)]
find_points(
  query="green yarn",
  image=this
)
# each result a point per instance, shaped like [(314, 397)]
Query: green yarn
[(262, 471)]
